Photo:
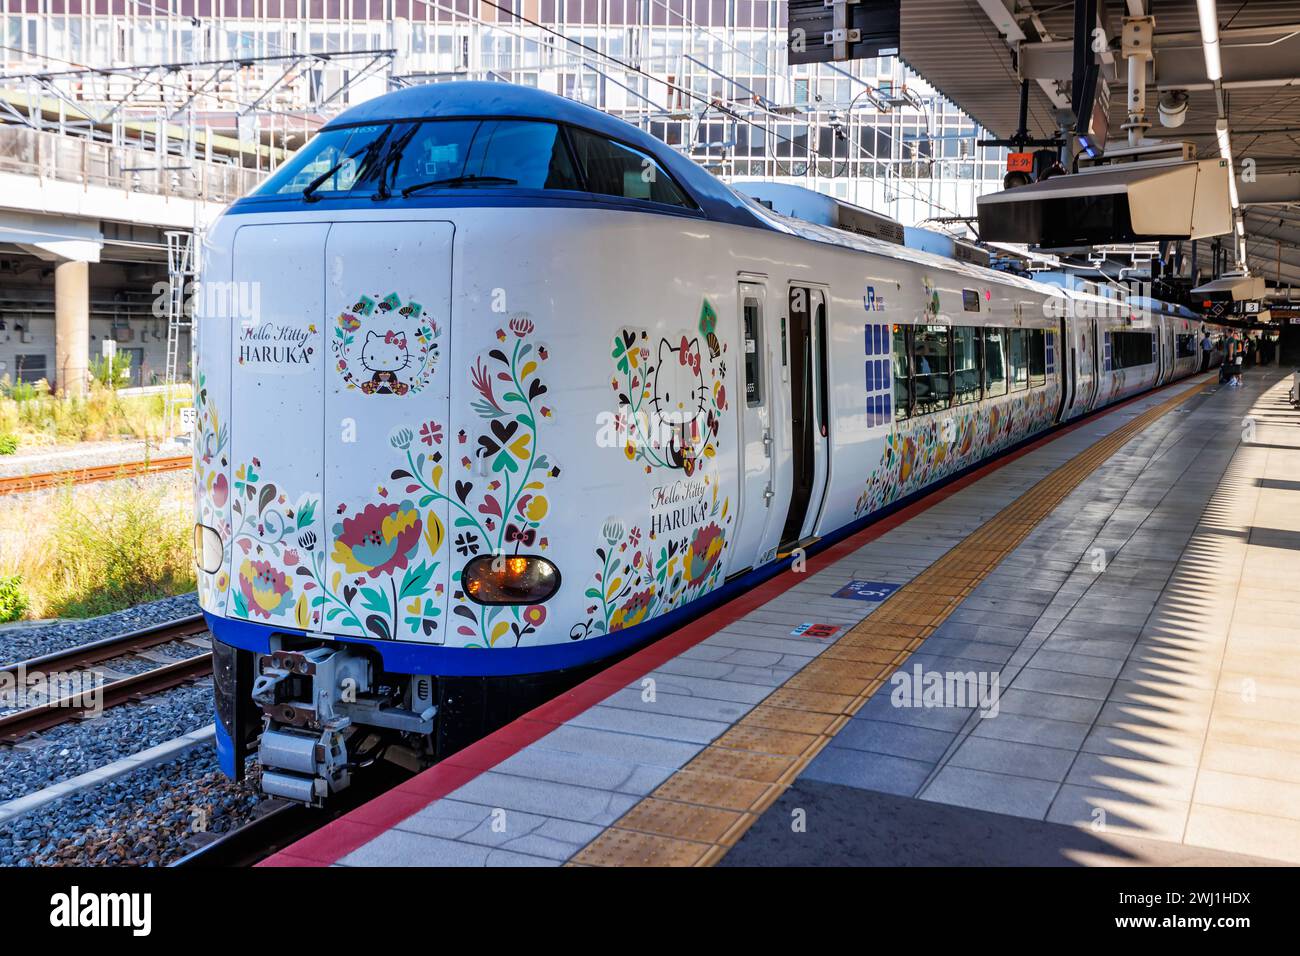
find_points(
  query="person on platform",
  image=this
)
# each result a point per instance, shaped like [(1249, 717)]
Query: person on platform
[(1238, 361)]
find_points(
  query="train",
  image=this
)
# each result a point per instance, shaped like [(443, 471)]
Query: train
[(492, 387)]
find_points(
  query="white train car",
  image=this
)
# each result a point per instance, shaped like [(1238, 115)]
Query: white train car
[(502, 386)]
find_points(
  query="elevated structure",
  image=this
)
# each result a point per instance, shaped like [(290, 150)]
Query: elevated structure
[(1223, 77)]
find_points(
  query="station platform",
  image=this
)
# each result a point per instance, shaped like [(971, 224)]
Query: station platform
[(1083, 653)]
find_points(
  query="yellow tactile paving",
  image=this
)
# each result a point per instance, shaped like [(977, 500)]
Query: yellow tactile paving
[(766, 740), (764, 768), (703, 809), (784, 718), (712, 790), (681, 821)]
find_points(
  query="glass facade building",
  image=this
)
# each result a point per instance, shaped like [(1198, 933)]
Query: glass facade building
[(709, 77)]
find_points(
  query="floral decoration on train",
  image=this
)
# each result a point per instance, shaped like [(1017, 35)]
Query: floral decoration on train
[(649, 568), (671, 395), (384, 346), (211, 486), (382, 577), (498, 507), (925, 449)]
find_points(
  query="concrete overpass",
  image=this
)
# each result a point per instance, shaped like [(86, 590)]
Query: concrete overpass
[(68, 203)]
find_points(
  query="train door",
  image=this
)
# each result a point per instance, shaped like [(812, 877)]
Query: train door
[(1068, 370), (1091, 362), (1082, 357), (388, 377), (804, 353), (759, 525), (1163, 349)]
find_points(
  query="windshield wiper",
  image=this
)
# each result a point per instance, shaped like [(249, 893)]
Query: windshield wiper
[(456, 181), (367, 155), (391, 159)]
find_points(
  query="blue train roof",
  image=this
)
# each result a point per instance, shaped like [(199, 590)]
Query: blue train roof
[(464, 98)]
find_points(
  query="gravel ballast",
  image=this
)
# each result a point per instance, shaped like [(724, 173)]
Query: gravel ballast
[(20, 642)]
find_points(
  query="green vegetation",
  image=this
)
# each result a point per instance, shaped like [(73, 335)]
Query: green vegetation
[(102, 549), (35, 418), (111, 372), (13, 602), (8, 443)]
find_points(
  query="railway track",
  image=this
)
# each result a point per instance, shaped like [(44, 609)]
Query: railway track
[(78, 476), (30, 720), (284, 823)]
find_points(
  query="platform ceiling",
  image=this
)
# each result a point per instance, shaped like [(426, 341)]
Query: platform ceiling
[(965, 49)]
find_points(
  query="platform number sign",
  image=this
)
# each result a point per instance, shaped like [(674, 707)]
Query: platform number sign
[(866, 590), (188, 418)]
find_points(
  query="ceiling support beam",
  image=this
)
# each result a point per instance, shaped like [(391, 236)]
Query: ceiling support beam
[(1270, 188)]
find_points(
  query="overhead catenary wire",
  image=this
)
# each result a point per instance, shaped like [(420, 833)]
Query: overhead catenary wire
[(706, 101)]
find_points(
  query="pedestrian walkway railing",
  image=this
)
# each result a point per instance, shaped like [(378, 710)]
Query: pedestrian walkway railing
[(76, 159)]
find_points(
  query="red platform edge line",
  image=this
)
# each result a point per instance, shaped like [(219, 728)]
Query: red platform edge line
[(354, 829)]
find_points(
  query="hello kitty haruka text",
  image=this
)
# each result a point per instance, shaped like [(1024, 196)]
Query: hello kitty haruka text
[(384, 346)]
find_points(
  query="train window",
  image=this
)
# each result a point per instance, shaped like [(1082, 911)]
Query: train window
[(1037, 357), (995, 362), (753, 352), (1186, 345), (344, 154), (1131, 348), (613, 169), (1019, 367), (932, 375), (965, 365), (823, 373), (902, 372)]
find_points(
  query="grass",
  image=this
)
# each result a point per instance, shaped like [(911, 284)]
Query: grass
[(33, 418), (99, 548)]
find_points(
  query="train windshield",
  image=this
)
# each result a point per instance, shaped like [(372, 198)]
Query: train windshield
[(334, 160), (444, 154), (404, 158)]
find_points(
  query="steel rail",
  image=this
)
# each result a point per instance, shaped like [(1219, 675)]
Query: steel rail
[(41, 481), (22, 723)]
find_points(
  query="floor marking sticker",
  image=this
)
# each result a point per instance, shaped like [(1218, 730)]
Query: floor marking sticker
[(815, 630), (866, 590)]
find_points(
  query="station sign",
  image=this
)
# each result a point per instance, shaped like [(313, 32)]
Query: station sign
[(1020, 162)]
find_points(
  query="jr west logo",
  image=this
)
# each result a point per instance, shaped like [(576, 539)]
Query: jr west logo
[(74, 909)]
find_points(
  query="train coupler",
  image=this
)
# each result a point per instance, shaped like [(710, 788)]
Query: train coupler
[(303, 694)]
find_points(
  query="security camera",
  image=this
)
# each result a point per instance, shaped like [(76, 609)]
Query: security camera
[(1173, 108)]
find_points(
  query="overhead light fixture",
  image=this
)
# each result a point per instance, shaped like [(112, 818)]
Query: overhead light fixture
[(1241, 228), (1208, 12)]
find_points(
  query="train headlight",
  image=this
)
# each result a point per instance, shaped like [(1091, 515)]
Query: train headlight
[(207, 549), (510, 579)]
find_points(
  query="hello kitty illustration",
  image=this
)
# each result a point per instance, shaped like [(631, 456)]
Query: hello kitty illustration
[(385, 355), (678, 401)]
